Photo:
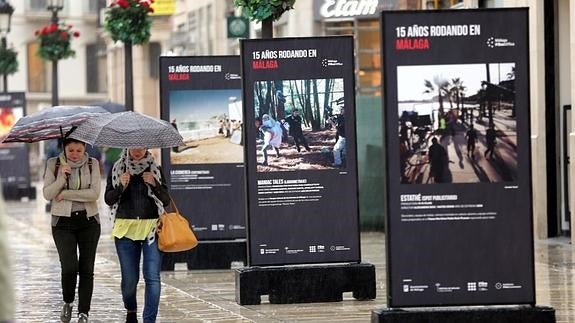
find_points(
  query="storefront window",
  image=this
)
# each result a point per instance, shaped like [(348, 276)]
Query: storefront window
[(367, 45)]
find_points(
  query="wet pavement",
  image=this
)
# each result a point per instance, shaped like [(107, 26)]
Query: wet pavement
[(209, 295)]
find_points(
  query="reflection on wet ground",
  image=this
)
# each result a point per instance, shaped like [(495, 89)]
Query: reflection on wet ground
[(209, 295)]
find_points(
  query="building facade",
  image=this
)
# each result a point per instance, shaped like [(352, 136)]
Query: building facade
[(86, 83), (199, 28)]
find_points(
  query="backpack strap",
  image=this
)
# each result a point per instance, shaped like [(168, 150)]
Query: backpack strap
[(90, 164), (57, 167)]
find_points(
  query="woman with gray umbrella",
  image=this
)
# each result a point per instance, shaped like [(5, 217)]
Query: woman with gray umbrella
[(137, 194)]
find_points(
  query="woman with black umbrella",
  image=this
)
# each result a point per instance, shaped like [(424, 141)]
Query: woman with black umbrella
[(72, 184)]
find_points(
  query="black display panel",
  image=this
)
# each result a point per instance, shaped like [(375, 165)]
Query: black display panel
[(456, 116), (201, 97), (301, 169)]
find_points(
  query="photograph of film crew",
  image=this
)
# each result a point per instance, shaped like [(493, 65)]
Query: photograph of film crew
[(301, 124), (457, 123)]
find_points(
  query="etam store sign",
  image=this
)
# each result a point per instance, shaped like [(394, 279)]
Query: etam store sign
[(330, 9)]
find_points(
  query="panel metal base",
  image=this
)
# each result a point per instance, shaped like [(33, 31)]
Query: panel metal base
[(476, 314), (208, 255), (17, 193), (304, 284)]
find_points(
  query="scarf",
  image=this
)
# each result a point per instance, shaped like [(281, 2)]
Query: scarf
[(74, 181), (136, 167)]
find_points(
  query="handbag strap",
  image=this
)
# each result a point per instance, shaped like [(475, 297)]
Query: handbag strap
[(174, 204)]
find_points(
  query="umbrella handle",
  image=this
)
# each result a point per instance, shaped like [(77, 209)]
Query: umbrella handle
[(68, 132)]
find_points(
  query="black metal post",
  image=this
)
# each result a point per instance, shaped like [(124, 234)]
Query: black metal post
[(4, 76), (128, 78), (6, 11), (54, 18), (55, 100), (267, 28)]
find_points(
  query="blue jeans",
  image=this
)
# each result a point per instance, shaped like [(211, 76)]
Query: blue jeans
[(129, 252)]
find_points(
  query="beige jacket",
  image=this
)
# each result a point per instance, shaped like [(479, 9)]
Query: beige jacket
[(6, 288), (88, 193)]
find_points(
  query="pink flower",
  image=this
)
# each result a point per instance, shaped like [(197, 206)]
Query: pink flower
[(64, 35), (76, 34)]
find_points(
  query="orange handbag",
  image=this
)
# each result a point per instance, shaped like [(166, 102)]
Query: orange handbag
[(174, 232)]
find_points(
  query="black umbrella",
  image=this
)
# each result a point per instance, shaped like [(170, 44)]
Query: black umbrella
[(51, 123)]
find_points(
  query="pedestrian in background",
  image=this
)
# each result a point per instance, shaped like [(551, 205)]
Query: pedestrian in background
[(137, 194), (7, 299), (72, 184)]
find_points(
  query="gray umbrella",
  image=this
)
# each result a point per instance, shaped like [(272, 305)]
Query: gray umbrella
[(128, 130), (110, 106)]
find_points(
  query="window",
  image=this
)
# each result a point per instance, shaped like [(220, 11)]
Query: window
[(94, 6), (441, 4), (367, 46), (37, 5), (95, 68), (38, 73)]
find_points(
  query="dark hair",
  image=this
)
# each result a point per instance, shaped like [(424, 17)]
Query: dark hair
[(68, 141)]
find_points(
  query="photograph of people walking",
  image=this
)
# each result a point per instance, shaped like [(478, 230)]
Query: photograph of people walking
[(303, 120), (457, 123)]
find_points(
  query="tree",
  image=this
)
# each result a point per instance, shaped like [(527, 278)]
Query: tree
[(457, 89), (315, 122), (265, 11), (441, 88)]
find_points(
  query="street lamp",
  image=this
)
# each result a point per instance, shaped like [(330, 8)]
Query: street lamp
[(6, 11), (54, 6)]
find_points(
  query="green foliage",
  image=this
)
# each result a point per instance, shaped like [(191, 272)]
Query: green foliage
[(8, 61), (260, 10), (128, 21), (54, 41)]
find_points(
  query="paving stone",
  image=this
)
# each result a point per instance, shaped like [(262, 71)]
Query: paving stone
[(209, 295)]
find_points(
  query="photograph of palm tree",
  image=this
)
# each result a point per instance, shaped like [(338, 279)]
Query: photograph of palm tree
[(457, 123), (210, 122), (301, 124)]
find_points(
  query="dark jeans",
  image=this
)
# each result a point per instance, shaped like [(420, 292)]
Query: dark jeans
[(129, 254), (73, 234)]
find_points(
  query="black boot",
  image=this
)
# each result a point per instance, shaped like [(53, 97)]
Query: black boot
[(132, 317)]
